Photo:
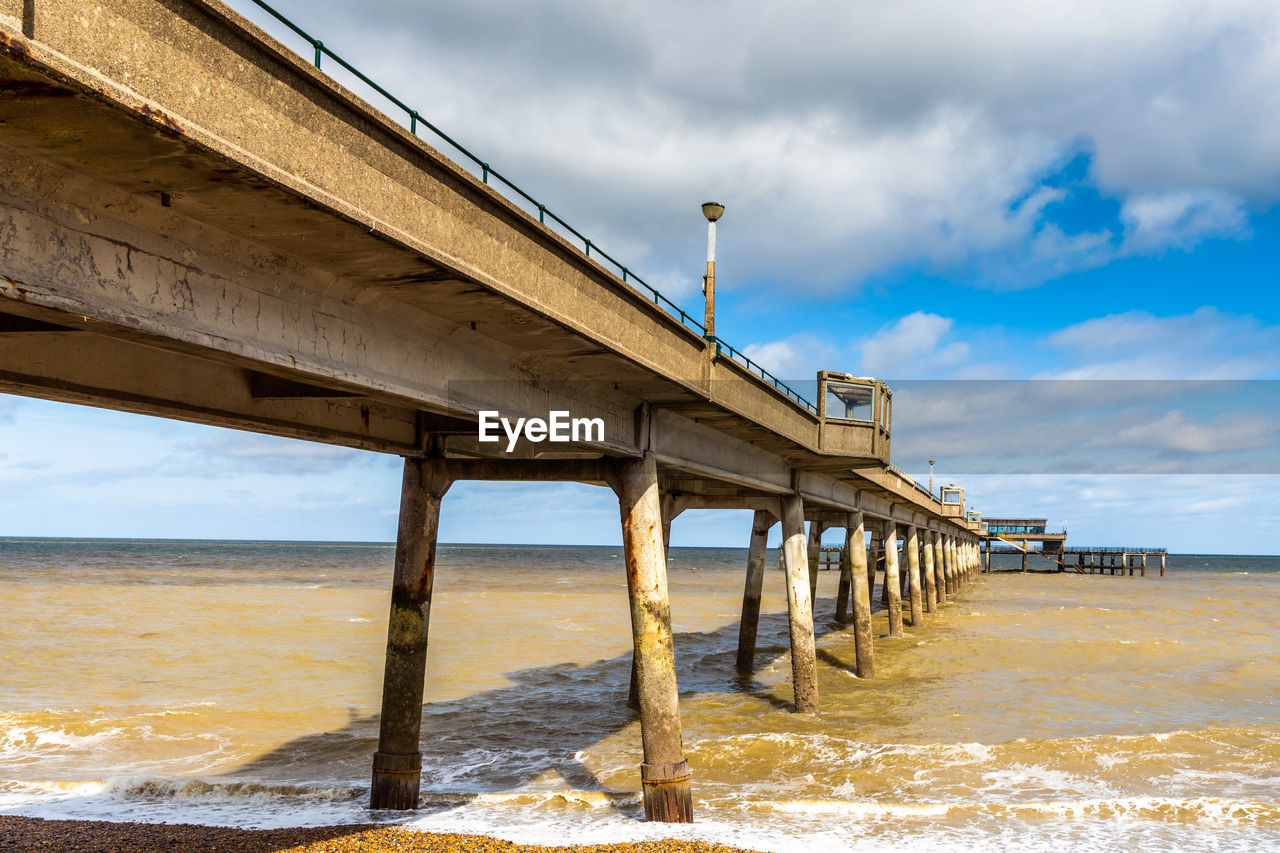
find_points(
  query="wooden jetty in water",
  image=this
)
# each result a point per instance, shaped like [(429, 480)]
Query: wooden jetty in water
[(198, 223)]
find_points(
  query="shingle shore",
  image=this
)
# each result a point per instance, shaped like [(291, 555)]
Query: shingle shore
[(22, 834)]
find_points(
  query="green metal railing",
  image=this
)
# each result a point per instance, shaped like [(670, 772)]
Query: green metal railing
[(752, 367), (913, 481), (544, 213)]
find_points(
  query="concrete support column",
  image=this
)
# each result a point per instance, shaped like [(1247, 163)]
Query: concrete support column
[(953, 576), (878, 563), (664, 775), (914, 588), (939, 567), (760, 526), (856, 552), (869, 557), (930, 577), (1024, 556), (846, 583), (815, 557), (804, 665), (891, 578), (397, 765)]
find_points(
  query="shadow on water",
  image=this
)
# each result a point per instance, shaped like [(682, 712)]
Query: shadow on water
[(535, 728)]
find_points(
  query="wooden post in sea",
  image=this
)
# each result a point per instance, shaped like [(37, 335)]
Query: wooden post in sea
[(1162, 556), (804, 664), (750, 622), (664, 775), (397, 765), (891, 581), (856, 553), (930, 577), (914, 588)]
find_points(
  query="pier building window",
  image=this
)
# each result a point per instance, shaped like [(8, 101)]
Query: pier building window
[(850, 401)]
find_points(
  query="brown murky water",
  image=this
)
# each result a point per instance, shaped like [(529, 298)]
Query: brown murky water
[(239, 683)]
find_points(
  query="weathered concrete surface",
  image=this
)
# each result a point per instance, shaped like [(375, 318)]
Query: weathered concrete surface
[(665, 773), (804, 675), (856, 551), (754, 587), (397, 765)]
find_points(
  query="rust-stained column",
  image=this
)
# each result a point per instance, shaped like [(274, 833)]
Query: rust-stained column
[(751, 594), (804, 666), (855, 548), (914, 589), (891, 581), (815, 557), (940, 567), (930, 577), (664, 774), (397, 765)]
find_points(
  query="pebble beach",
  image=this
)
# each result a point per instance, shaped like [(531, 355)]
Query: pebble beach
[(22, 834)]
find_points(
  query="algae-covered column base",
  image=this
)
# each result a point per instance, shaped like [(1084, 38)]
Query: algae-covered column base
[(804, 662), (664, 775), (397, 765)]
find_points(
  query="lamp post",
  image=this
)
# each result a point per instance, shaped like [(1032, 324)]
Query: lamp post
[(713, 210), (930, 478)]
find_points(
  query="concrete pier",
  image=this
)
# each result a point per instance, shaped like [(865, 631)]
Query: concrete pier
[(804, 667), (231, 238), (664, 775), (397, 765)]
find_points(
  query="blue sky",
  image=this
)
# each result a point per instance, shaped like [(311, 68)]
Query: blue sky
[(915, 191)]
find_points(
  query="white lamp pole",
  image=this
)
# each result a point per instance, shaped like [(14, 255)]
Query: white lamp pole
[(713, 210)]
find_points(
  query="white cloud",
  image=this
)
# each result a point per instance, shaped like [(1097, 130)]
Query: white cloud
[(913, 347), (800, 356), (1206, 344), (1180, 219)]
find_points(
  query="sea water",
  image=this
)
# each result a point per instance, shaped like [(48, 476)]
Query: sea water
[(238, 683)]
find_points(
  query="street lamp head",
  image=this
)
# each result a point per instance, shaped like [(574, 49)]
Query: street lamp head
[(713, 210)]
